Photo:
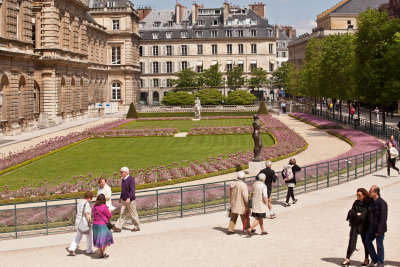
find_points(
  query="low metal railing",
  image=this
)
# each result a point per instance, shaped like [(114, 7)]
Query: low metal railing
[(53, 216)]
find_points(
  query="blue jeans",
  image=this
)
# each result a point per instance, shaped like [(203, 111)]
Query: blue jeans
[(379, 244)]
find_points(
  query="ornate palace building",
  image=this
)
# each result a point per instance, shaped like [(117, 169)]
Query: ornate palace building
[(198, 38), (61, 57)]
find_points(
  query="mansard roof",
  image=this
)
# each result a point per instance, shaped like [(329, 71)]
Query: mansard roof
[(103, 3), (163, 21), (358, 6)]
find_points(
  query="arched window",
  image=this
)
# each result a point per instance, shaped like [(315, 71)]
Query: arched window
[(156, 98), (116, 91), (36, 97), (21, 95), (3, 88)]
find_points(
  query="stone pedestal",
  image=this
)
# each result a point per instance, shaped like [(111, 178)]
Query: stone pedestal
[(256, 167), (196, 119)]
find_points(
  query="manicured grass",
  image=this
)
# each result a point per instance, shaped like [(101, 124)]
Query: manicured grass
[(106, 155), (186, 125)]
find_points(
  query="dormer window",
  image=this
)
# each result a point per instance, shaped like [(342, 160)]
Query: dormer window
[(253, 33), (201, 22), (214, 34), (170, 23), (155, 35), (253, 22), (168, 35), (183, 34), (110, 3), (215, 22), (157, 24)]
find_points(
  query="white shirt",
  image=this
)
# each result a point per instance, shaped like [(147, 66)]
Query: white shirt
[(107, 193), (79, 211)]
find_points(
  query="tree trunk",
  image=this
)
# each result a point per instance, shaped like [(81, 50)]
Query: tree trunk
[(384, 120), (370, 119), (340, 109)]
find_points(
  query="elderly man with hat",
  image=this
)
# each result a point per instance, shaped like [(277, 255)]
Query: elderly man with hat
[(127, 199), (239, 200)]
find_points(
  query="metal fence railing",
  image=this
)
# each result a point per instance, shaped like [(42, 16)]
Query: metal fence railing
[(53, 216)]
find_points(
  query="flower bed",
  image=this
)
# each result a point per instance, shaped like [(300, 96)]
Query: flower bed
[(315, 121), (158, 175)]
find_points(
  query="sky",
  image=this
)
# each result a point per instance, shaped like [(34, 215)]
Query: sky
[(301, 14)]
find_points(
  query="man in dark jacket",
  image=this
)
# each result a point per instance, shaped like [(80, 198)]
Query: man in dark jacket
[(127, 199), (270, 178), (377, 226)]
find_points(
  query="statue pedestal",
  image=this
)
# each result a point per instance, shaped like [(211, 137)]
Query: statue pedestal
[(256, 167), (196, 119)]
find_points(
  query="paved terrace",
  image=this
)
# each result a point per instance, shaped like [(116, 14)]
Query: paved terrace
[(311, 233)]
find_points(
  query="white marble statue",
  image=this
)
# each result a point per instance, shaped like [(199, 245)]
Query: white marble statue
[(197, 108)]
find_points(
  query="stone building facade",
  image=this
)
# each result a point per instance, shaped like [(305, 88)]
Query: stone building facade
[(56, 60), (284, 34), (172, 40)]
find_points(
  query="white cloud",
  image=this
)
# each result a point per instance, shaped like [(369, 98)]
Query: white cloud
[(304, 26)]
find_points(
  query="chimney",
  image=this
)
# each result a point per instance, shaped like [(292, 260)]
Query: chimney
[(195, 13), (259, 9), (227, 8), (276, 31), (179, 13), (143, 12), (288, 30)]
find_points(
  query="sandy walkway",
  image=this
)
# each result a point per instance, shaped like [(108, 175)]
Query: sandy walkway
[(314, 232)]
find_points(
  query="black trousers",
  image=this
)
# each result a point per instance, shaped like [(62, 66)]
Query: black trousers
[(391, 163), (353, 243), (290, 194)]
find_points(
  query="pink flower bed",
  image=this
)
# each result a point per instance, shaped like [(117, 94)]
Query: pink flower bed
[(316, 121)]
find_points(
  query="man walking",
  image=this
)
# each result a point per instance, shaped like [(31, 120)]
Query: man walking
[(377, 226), (270, 178), (127, 199), (376, 111), (239, 200)]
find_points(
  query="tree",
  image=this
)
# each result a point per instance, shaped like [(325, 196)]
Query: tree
[(263, 109), (210, 97), (240, 97), (181, 98), (258, 78), (393, 8), (187, 80), (235, 78), (132, 113), (377, 58), (212, 77)]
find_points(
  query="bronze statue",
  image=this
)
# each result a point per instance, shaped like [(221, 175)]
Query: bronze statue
[(258, 143)]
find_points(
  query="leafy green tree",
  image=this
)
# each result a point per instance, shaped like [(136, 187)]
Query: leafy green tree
[(187, 80), (235, 78), (132, 113), (337, 66), (377, 58), (212, 77), (258, 78), (180, 98), (210, 97), (240, 97)]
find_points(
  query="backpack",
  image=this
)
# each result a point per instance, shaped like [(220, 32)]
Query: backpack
[(287, 170)]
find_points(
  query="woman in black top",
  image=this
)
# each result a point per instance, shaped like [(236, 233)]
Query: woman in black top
[(358, 220), (291, 182)]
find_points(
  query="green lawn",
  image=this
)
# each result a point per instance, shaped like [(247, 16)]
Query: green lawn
[(186, 125), (107, 155)]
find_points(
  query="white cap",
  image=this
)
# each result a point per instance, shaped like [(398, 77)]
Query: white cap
[(125, 169), (240, 175)]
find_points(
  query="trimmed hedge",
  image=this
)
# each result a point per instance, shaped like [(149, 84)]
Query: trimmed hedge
[(132, 113), (263, 109), (191, 114)]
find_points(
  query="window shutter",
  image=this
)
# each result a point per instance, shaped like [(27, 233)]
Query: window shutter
[(179, 50), (188, 49), (173, 67), (143, 50), (151, 83), (188, 64), (179, 66), (164, 50), (151, 67), (144, 83), (164, 84), (144, 67), (172, 50), (163, 70)]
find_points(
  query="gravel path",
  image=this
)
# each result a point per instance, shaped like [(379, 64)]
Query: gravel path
[(311, 233)]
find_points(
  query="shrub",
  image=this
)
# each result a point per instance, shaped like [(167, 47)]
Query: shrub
[(210, 97), (178, 99), (263, 109), (191, 114), (132, 113), (240, 97)]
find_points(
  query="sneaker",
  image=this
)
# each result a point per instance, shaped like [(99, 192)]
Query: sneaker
[(136, 229), (71, 252), (388, 176), (372, 264), (230, 233), (287, 205), (272, 215), (294, 201), (116, 230)]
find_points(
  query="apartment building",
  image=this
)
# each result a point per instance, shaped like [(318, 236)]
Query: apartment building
[(197, 38), (284, 34)]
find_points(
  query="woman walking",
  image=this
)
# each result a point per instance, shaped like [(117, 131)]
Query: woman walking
[(102, 236), (392, 154), (358, 219), (259, 195), (83, 220), (289, 176), (105, 189)]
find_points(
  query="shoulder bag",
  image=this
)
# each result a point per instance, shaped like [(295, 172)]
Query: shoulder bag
[(109, 225), (83, 225)]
